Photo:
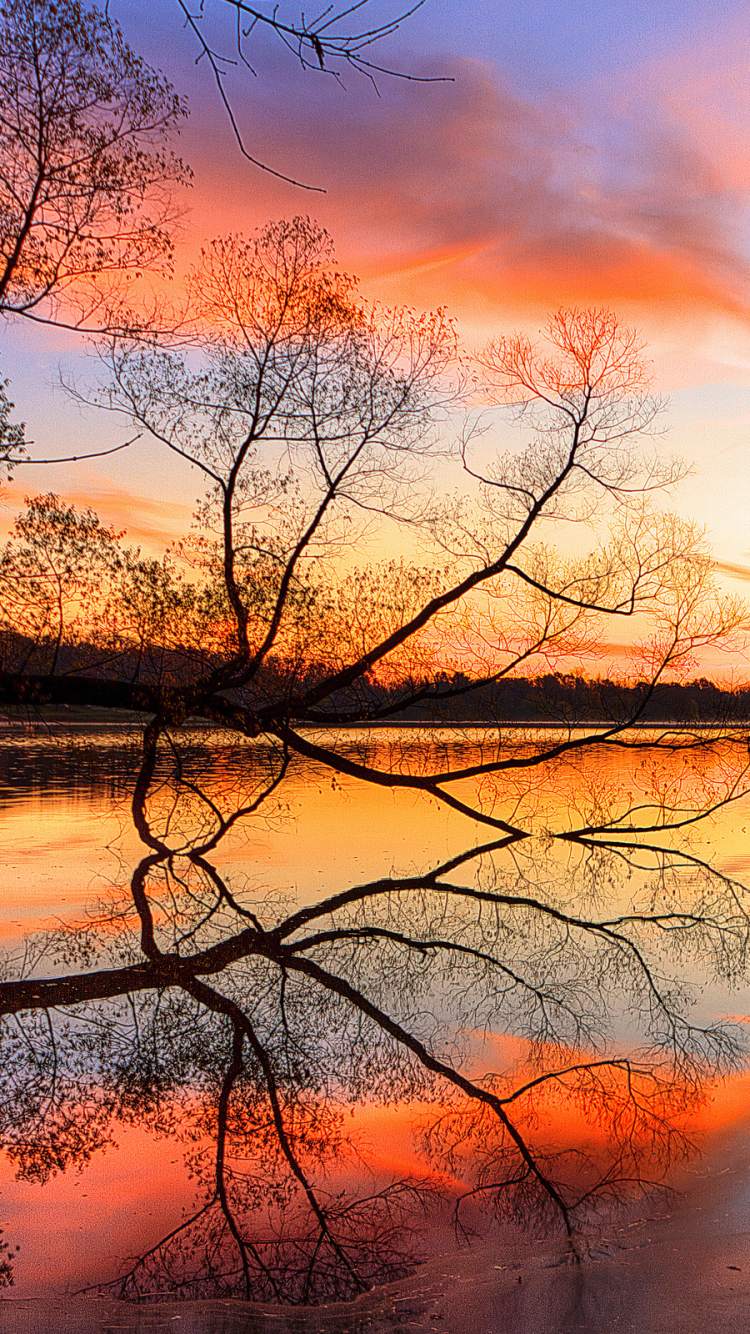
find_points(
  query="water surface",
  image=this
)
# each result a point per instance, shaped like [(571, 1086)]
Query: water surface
[(69, 850)]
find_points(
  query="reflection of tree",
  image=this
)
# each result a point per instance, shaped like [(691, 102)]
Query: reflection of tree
[(254, 1024), (247, 1028)]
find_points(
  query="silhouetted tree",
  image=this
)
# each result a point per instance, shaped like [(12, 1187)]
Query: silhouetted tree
[(332, 42), (84, 168), (308, 412)]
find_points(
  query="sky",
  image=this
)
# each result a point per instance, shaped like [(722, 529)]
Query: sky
[(588, 153)]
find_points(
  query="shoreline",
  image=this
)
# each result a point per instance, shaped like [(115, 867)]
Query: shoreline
[(647, 1285), (39, 723)]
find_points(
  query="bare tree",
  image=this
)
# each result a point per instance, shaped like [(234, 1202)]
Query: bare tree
[(85, 171), (310, 413), (332, 42)]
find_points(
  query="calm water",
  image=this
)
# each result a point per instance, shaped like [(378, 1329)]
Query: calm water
[(69, 850)]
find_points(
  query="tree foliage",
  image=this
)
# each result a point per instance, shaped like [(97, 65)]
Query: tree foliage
[(85, 171)]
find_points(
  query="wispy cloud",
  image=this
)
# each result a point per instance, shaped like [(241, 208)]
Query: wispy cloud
[(471, 193), (142, 517), (734, 571)]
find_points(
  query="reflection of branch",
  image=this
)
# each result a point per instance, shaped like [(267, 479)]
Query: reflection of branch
[(164, 970), (233, 1070), (429, 785), (220, 1004), (344, 935), (615, 825), (122, 1282), (552, 1076), (327, 1255), (388, 1025)]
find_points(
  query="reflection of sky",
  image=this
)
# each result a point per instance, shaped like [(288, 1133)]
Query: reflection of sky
[(585, 153), (331, 837), (86, 1224), (325, 836)]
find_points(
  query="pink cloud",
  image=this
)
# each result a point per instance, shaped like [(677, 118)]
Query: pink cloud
[(143, 518), (471, 194)]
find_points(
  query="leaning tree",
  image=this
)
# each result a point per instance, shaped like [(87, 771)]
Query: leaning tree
[(258, 650)]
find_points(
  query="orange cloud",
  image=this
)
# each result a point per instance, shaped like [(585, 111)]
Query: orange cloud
[(733, 571), (143, 518), (471, 194)]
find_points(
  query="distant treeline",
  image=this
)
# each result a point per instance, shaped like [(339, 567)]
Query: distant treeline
[(566, 699), (555, 698)]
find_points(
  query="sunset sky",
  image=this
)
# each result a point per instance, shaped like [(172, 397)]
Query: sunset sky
[(253, 901), (588, 153)]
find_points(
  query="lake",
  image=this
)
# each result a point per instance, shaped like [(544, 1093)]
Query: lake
[(110, 1107)]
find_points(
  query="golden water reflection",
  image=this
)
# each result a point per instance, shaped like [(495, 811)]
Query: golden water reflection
[(70, 849)]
